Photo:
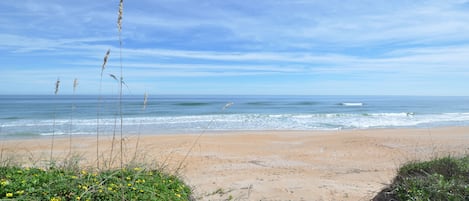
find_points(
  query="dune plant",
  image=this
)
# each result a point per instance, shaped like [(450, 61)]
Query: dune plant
[(75, 84), (98, 115), (119, 28), (145, 100), (444, 178), (17, 183), (57, 85), (113, 141)]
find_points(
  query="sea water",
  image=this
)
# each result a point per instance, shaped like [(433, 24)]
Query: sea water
[(69, 114)]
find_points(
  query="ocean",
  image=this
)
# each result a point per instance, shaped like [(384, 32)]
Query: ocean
[(33, 115)]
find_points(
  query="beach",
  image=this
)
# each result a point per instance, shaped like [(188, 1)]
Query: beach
[(266, 165)]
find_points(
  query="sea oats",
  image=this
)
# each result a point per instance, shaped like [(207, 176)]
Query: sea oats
[(105, 60), (75, 84), (145, 100), (119, 18), (114, 77), (57, 84)]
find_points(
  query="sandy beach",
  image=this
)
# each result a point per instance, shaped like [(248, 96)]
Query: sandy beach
[(268, 165)]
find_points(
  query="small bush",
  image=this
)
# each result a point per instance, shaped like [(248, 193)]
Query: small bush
[(440, 179)]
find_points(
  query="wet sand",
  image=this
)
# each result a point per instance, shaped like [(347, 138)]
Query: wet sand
[(266, 165)]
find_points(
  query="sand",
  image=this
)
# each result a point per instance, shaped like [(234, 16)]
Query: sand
[(269, 165)]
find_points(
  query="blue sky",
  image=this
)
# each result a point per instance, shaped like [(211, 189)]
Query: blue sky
[(304, 47)]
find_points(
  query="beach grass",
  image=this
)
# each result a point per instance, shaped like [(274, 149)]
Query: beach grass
[(445, 178)]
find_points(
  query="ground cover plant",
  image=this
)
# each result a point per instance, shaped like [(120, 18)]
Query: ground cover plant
[(444, 178), (59, 184)]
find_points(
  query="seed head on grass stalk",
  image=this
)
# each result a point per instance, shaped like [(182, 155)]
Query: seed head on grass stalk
[(145, 100), (57, 85), (119, 17), (75, 84), (103, 67), (105, 61), (111, 155), (119, 27)]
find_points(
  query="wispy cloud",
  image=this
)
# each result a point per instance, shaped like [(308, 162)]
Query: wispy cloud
[(314, 43)]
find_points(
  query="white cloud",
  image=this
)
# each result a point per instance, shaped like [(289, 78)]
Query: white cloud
[(169, 39)]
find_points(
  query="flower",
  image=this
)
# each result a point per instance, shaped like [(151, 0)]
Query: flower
[(55, 199), (9, 195), (4, 182), (177, 195)]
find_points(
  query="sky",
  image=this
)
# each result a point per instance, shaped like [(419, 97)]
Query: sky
[(262, 47)]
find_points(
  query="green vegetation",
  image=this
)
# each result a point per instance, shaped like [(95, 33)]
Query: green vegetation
[(59, 184), (440, 179)]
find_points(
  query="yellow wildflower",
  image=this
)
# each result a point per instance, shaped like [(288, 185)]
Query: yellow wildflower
[(55, 199), (9, 195)]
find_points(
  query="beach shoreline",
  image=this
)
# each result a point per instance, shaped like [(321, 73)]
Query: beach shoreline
[(267, 165)]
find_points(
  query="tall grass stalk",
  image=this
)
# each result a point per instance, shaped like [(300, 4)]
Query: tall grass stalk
[(198, 137), (119, 27), (100, 98), (75, 84), (145, 100), (111, 155), (57, 85)]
